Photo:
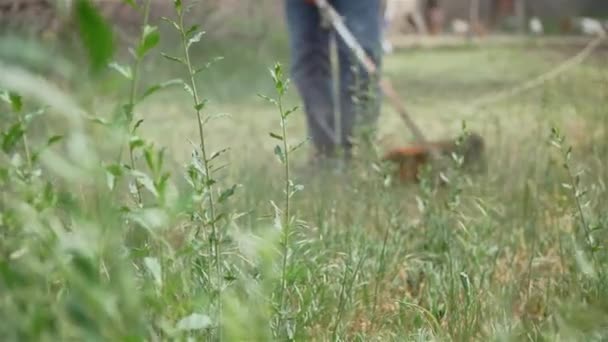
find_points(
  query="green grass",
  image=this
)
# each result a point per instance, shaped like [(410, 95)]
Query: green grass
[(501, 256)]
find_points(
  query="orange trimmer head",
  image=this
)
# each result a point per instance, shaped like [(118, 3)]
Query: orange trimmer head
[(410, 160)]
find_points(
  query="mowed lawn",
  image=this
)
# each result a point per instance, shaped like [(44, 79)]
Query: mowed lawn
[(517, 253)]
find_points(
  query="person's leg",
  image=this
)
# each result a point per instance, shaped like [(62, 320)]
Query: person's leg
[(311, 71), (360, 96)]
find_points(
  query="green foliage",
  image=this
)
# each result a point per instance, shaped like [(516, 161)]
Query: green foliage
[(95, 34), (283, 328), (150, 38)]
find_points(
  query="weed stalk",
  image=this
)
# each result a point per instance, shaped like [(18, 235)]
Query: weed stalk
[(286, 230), (573, 184), (187, 38), (283, 152), (130, 107)]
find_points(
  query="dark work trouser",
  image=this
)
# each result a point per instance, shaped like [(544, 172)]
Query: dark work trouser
[(311, 70)]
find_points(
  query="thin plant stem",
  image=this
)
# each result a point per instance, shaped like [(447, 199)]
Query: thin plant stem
[(26, 147), (137, 63), (208, 181), (133, 95), (286, 213), (133, 92), (588, 234)]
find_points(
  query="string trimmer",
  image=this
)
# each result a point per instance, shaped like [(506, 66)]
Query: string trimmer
[(409, 158)]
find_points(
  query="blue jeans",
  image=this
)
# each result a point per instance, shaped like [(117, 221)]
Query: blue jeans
[(311, 70)]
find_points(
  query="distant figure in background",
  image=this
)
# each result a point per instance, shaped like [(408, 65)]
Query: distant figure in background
[(536, 26), (435, 16), (404, 15), (501, 9), (311, 71)]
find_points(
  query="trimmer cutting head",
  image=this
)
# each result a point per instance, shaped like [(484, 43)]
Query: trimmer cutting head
[(410, 160)]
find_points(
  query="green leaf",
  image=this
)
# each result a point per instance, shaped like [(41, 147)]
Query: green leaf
[(197, 165), (209, 64), (279, 153), (30, 116), (84, 264), (54, 139), (149, 159), (124, 70), (162, 183), (137, 124), (171, 22), (276, 136), (4, 96), (114, 169), (150, 39), (128, 111), (288, 112), (278, 224), (99, 120), (269, 99), (13, 99), (95, 34), (146, 181), (113, 172), (276, 72), (215, 116), (217, 154), (201, 105), (195, 39), (160, 157), (160, 86), (12, 136), (172, 58), (465, 281), (210, 182), (51, 141), (135, 142), (178, 5), (194, 321), (16, 102), (49, 194), (153, 266), (188, 89), (191, 30), (227, 194), (297, 146), (277, 76)]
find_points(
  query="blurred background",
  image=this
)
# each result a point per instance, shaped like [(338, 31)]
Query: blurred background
[(441, 55), (474, 47), (255, 20)]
